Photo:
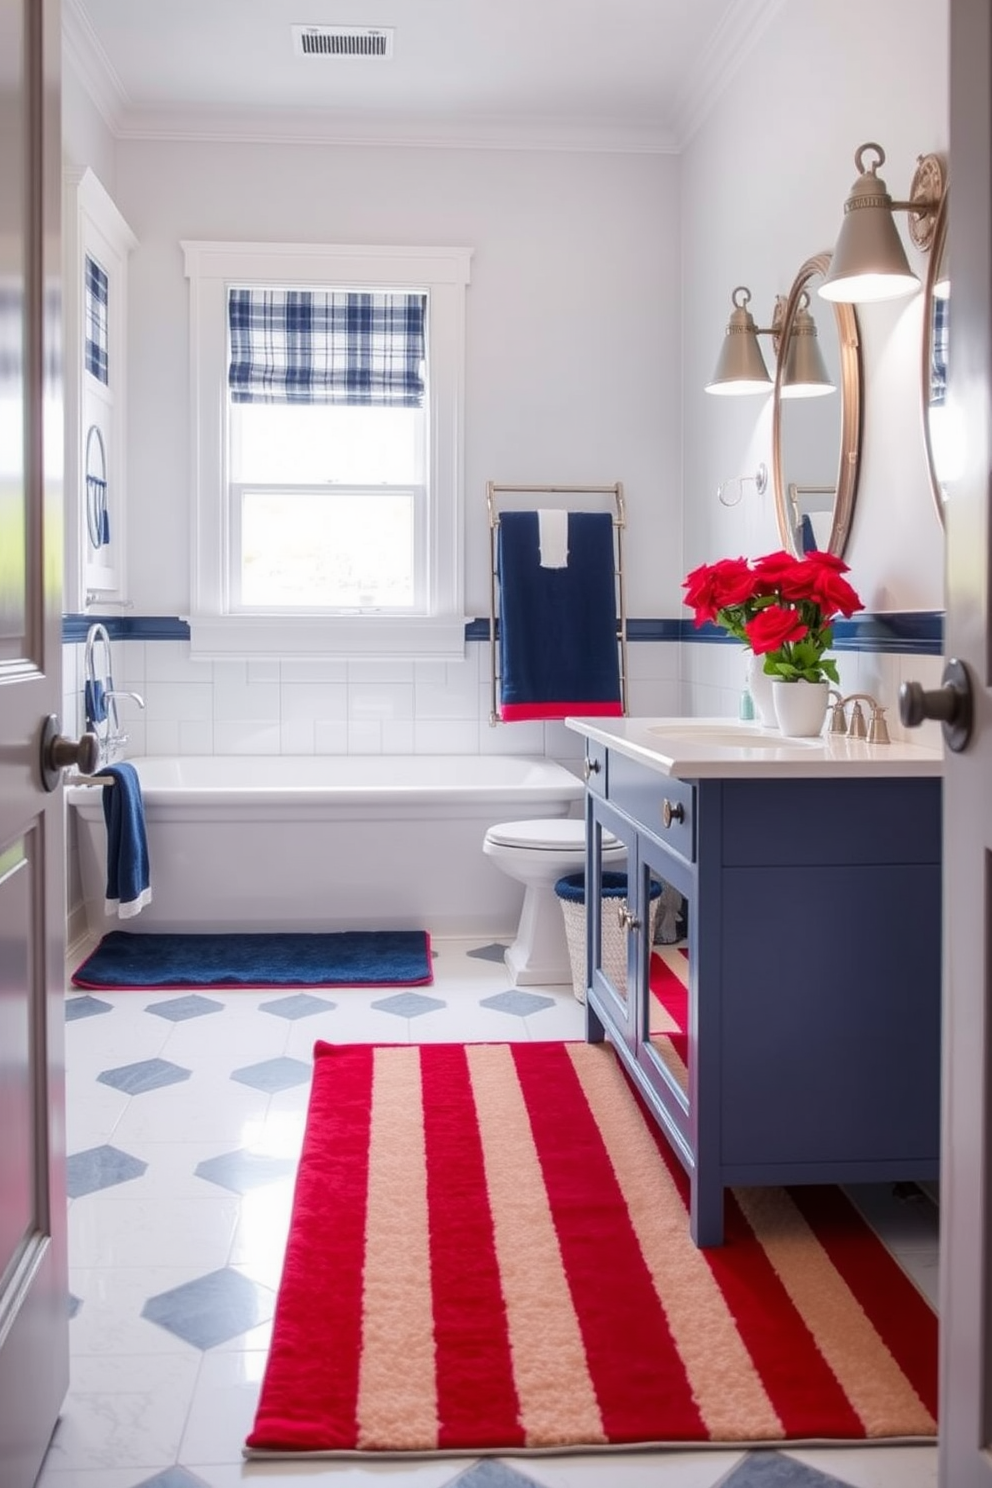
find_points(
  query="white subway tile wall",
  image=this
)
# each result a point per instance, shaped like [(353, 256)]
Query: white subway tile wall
[(411, 707), (342, 707)]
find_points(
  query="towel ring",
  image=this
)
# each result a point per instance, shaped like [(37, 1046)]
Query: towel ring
[(97, 521)]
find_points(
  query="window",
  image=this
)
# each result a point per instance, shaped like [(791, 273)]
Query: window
[(327, 395)]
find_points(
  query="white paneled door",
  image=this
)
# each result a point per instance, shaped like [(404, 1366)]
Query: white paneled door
[(966, 1176), (33, 1286)]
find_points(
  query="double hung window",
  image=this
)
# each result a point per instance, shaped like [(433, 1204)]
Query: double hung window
[(327, 416)]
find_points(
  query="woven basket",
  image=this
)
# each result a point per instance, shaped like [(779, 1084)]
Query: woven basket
[(613, 937)]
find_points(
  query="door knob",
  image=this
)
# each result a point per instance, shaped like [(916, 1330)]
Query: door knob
[(950, 704), (57, 753)]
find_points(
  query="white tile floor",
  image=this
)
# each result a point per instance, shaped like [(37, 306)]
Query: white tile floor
[(149, 1406)]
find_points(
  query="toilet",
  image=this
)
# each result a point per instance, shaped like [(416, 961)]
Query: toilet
[(537, 853)]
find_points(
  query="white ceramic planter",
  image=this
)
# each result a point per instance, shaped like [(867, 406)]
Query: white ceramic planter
[(759, 685), (800, 707)]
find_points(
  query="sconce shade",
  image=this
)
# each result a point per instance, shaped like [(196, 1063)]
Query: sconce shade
[(869, 261), (740, 366), (805, 373)]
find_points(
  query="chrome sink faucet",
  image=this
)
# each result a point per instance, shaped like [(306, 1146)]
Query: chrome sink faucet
[(877, 730), (136, 696)]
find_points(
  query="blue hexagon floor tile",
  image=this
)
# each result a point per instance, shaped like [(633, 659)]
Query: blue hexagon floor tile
[(147, 1074), (409, 1004), (100, 1167), (301, 1005), (173, 1477), (521, 1004), (491, 1474), (492, 952), (85, 1007), (211, 1310), (772, 1470), (273, 1074), (178, 1009), (242, 1171)]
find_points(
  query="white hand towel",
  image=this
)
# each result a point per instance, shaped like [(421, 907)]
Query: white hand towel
[(552, 527)]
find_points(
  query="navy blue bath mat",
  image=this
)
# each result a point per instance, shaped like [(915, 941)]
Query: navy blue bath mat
[(348, 958)]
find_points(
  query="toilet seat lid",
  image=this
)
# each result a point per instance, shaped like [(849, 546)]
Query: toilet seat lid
[(559, 834)]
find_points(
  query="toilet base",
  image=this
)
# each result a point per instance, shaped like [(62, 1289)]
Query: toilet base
[(539, 955)]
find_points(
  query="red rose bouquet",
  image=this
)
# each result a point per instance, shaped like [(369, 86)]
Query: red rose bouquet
[(781, 607)]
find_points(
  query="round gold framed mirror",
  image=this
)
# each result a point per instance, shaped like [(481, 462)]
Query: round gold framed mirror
[(933, 380), (816, 440)]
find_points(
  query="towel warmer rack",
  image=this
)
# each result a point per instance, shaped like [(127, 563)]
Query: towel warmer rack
[(493, 491)]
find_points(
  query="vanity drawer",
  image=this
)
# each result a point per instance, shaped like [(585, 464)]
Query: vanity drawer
[(595, 768), (661, 804)]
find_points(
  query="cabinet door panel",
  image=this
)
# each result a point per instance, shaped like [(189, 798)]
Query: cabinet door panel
[(830, 1025), (609, 942), (664, 1012)]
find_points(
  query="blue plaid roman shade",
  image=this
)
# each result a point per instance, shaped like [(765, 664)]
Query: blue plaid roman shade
[(313, 346), (95, 340), (938, 353)]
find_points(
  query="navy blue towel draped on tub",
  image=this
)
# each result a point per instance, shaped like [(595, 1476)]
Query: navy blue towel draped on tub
[(559, 649), (128, 883)]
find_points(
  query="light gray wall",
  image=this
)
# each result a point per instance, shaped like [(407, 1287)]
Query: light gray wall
[(572, 368), (763, 187), (86, 137), (600, 290)]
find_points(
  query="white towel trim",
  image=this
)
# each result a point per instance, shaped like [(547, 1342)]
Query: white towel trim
[(552, 527), (130, 907)]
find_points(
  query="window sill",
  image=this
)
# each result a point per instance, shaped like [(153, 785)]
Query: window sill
[(219, 637)]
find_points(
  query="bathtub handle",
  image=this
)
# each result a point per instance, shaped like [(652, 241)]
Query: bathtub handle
[(58, 752)]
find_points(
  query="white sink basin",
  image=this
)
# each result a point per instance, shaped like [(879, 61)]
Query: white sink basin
[(729, 736)]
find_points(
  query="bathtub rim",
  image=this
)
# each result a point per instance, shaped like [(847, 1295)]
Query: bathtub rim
[(540, 780)]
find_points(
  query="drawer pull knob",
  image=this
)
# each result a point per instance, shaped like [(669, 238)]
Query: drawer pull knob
[(625, 919), (672, 811), (591, 767)]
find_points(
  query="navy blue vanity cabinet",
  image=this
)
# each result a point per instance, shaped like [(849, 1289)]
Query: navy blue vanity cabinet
[(814, 908)]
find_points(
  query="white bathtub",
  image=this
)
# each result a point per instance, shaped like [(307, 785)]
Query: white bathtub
[(325, 842)]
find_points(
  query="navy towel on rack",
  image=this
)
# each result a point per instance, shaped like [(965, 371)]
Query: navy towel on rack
[(557, 626), (128, 882)]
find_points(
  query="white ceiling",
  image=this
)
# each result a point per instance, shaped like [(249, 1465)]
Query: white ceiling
[(632, 74)]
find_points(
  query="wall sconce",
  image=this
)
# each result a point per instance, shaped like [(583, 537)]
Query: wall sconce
[(869, 261), (741, 368)]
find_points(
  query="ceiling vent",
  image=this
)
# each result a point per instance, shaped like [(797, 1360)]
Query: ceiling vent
[(343, 41)]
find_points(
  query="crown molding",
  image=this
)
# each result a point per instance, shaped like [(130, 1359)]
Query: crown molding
[(724, 55), (719, 62), (331, 127), (83, 53)]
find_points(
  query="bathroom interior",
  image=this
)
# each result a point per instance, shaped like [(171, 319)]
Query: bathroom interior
[(599, 258)]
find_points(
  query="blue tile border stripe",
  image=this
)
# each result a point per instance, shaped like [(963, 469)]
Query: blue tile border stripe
[(915, 632), (910, 632)]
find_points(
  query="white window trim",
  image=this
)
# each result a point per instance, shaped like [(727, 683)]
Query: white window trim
[(444, 272), (93, 226)]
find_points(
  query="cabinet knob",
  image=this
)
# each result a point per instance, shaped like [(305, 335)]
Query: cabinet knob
[(672, 811), (591, 767), (625, 919)]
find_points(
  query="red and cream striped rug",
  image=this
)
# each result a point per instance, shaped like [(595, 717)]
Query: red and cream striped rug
[(489, 1252)]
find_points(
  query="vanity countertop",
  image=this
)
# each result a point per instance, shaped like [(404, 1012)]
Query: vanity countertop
[(723, 748)]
